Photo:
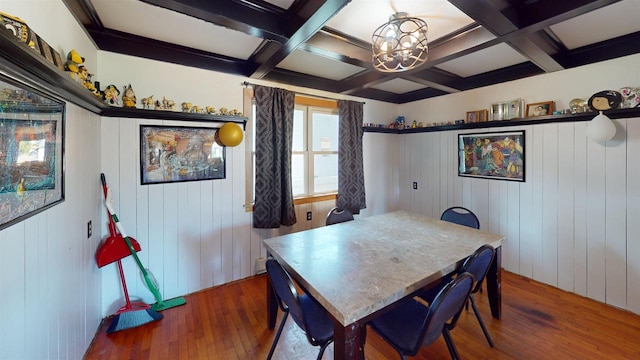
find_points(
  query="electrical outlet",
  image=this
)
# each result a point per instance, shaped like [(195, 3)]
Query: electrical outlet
[(415, 185), (89, 229), (308, 215)]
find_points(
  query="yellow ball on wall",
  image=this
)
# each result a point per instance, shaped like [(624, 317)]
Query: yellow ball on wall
[(230, 134)]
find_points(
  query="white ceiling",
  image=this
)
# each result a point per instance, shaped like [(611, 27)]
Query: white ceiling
[(358, 19)]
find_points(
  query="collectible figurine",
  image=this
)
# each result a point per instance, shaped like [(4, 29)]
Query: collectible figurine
[(129, 97), (111, 95), (73, 64), (146, 102), (186, 106), (210, 110), (223, 111)]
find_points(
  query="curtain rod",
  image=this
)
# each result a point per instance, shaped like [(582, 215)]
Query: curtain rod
[(246, 83)]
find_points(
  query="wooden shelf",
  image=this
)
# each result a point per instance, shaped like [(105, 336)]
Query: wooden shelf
[(613, 114), (25, 65)]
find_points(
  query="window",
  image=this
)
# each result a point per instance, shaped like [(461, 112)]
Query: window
[(314, 161), (315, 147)]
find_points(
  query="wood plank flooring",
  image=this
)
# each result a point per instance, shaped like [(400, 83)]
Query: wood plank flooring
[(229, 322)]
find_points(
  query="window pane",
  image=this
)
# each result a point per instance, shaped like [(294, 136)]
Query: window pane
[(325, 175), (297, 174), (298, 130), (325, 132)]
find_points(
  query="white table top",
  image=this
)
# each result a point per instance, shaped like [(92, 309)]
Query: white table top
[(356, 268)]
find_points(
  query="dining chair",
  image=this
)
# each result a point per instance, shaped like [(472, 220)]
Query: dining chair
[(412, 324), (305, 311), (477, 265), (461, 216), (337, 215)]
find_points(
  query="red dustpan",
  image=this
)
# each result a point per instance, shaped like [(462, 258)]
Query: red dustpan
[(113, 249)]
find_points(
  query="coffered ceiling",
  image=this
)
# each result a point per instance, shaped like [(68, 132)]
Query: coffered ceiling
[(326, 44)]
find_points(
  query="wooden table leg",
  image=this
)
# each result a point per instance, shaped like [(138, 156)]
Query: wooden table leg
[(494, 284), (349, 341)]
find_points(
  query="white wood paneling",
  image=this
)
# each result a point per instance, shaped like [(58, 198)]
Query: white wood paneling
[(633, 214), (571, 224), (616, 225), (566, 200)]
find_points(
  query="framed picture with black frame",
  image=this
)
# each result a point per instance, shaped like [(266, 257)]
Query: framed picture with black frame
[(180, 153), (31, 151), (492, 155)]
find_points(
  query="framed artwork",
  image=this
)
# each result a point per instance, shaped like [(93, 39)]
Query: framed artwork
[(178, 153), (476, 116), (31, 152), (492, 155), (507, 110), (540, 109)]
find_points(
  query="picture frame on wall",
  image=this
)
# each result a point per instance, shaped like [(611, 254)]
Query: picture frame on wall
[(540, 109), (32, 152), (492, 155), (180, 153)]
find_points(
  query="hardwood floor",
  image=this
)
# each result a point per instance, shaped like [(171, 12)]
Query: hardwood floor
[(229, 322)]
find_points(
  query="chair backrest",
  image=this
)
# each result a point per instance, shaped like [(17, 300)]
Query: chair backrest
[(461, 216), (337, 215), (285, 291), (446, 307), (478, 264)]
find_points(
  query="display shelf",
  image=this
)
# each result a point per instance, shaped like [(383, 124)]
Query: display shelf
[(172, 115), (27, 66), (612, 114)]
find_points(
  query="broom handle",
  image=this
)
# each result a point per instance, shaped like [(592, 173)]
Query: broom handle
[(124, 285)]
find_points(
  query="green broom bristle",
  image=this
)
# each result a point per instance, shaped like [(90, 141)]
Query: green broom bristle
[(130, 319)]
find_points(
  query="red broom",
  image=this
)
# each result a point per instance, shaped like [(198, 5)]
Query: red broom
[(135, 313)]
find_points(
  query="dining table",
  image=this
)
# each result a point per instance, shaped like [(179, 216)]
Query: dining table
[(360, 269)]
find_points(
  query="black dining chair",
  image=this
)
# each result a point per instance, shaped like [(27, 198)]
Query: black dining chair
[(305, 311), (478, 265), (413, 324), (337, 215), (461, 216)]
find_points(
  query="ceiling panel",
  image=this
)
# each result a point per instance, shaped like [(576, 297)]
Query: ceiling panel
[(479, 62), (307, 63), (399, 86), (612, 21), (284, 4), (360, 18), (172, 27)]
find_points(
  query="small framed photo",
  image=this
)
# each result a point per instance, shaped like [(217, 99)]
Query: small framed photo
[(476, 116), (540, 109), (482, 115), (507, 110), (471, 117)]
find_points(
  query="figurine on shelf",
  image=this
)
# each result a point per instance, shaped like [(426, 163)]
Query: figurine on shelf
[(168, 104), (146, 102), (129, 97), (235, 112), (223, 111), (210, 110), (195, 109), (186, 106), (73, 63), (111, 95)]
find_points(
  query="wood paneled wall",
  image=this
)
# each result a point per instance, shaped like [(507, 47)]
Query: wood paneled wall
[(573, 224), (50, 303), (193, 235)]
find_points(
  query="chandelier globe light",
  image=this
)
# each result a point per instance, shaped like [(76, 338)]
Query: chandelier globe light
[(400, 44)]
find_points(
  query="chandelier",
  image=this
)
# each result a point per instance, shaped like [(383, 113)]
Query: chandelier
[(400, 44)]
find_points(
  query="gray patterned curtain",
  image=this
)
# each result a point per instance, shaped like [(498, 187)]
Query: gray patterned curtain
[(351, 195), (274, 136)]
